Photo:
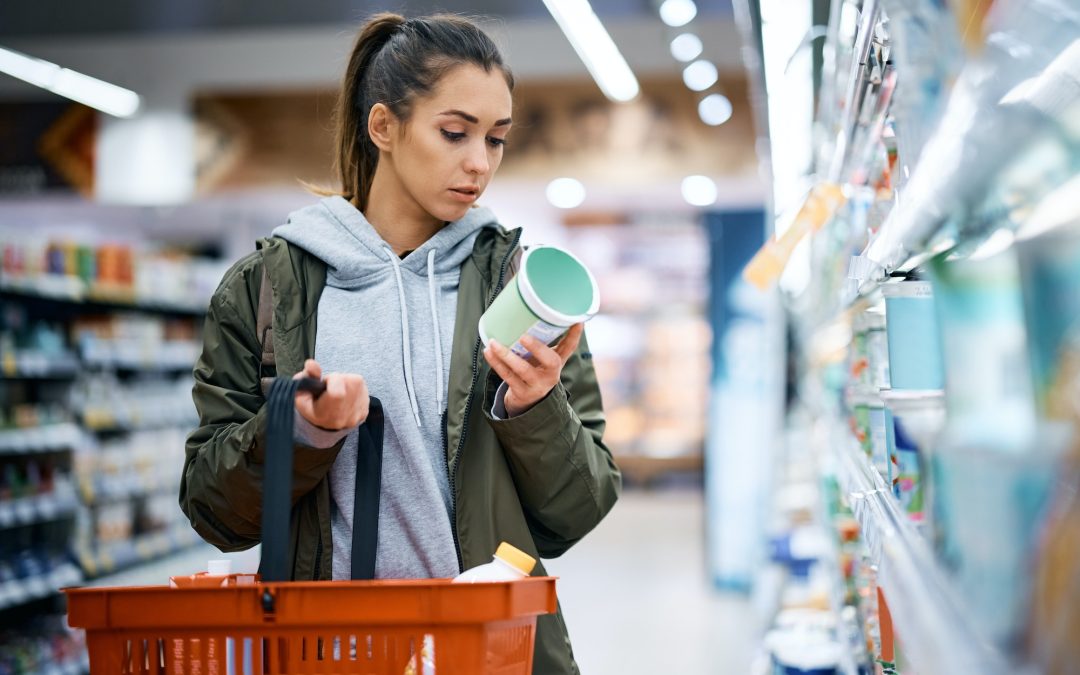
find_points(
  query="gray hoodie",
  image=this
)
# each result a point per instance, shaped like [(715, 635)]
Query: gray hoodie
[(392, 321)]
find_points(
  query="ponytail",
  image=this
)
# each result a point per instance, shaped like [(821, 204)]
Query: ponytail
[(357, 155)]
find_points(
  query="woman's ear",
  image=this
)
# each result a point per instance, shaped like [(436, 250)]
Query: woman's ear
[(382, 127)]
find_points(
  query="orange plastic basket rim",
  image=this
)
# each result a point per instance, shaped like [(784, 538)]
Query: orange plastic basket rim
[(310, 603)]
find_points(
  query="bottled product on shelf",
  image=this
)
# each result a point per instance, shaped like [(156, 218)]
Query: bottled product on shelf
[(94, 407), (103, 402), (45, 646), (108, 272), (956, 238)]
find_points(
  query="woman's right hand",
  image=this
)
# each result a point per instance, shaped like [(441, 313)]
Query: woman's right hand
[(343, 405)]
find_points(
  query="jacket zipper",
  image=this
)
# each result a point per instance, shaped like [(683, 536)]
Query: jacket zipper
[(318, 557), (468, 405)]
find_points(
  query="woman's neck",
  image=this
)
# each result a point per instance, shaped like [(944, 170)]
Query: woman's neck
[(400, 221)]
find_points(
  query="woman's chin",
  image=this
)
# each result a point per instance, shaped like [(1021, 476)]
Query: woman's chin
[(450, 213)]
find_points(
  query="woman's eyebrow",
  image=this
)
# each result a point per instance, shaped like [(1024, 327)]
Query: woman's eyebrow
[(473, 119)]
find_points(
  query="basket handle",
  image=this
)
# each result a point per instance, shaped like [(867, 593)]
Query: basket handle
[(277, 482)]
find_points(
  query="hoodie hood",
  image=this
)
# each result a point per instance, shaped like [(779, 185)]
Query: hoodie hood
[(337, 233)]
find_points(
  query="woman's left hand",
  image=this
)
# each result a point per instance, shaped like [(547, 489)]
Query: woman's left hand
[(531, 380)]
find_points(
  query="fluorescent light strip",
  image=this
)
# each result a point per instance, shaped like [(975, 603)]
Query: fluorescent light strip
[(595, 47), (107, 98)]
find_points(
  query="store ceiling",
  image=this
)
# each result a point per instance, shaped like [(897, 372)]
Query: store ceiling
[(51, 18)]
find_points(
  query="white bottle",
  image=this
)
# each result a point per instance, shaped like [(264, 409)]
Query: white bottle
[(508, 564)]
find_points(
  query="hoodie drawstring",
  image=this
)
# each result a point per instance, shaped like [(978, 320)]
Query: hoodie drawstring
[(406, 354), (433, 296)]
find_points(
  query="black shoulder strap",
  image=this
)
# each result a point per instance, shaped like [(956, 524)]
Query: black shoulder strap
[(264, 322), (365, 530), (277, 484)]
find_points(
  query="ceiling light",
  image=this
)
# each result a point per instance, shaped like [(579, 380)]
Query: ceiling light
[(677, 13), (699, 190), (597, 50), (107, 98), (714, 109), (686, 47), (700, 75), (566, 193)]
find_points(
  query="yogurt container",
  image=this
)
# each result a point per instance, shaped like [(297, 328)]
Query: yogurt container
[(552, 291), (915, 360), (918, 418)]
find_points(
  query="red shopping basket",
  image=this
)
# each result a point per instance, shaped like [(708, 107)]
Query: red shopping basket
[(356, 627), (249, 627)]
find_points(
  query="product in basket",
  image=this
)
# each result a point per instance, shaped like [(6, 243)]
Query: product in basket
[(508, 564)]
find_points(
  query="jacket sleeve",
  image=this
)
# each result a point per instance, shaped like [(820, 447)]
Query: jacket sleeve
[(565, 475), (221, 486)]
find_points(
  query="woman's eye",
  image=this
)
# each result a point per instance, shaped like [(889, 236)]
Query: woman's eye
[(452, 136), (496, 142)]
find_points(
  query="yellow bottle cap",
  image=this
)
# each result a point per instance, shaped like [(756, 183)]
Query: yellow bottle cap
[(515, 558)]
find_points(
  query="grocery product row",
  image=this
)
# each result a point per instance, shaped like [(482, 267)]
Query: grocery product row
[(934, 331), (46, 645), (96, 402), (110, 272)]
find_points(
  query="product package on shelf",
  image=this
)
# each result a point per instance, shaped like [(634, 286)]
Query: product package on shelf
[(121, 273), (136, 341), (45, 645)]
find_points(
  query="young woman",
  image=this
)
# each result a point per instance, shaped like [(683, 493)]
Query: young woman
[(378, 290)]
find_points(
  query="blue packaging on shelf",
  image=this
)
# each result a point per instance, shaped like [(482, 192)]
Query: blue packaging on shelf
[(915, 360)]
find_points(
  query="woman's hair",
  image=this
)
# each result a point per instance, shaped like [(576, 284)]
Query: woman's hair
[(394, 61)]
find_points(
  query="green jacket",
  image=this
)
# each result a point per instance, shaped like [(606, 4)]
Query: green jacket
[(540, 481)]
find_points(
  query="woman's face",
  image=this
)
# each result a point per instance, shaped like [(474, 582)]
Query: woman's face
[(448, 151)]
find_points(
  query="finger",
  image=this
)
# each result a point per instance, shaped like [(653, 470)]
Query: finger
[(358, 398), (542, 356), (569, 344), (305, 405), (335, 386), (502, 370), (313, 369), (520, 367)]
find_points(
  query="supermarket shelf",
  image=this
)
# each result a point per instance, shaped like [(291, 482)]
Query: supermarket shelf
[(36, 509), (123, 555), (21, 591), (132, 355), (930, 619), (130, 487), (104, 426), (71, 291), (72, 667), (142, 365), (38, 440), (39, 367)]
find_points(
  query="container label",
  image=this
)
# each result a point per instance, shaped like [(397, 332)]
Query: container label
[(542, 331)]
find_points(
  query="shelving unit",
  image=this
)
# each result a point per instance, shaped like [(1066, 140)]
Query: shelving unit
[(937, 629), (59, 291), (96, 400), (36, 440), (930, 151)]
